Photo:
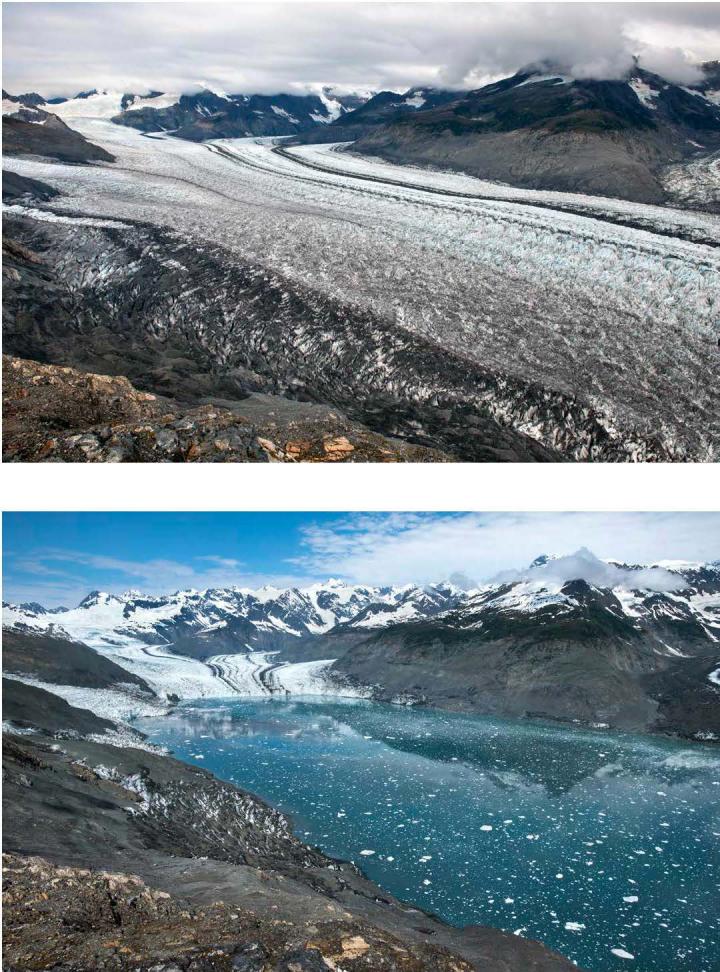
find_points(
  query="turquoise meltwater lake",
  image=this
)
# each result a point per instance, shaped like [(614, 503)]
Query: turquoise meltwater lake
[(603, 845)]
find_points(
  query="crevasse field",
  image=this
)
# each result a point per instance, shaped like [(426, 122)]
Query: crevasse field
[(615, 303)]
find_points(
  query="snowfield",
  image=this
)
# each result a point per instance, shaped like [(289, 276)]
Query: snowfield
[(613, 303)]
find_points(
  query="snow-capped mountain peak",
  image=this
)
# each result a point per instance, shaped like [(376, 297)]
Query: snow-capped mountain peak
[(204, 642), (268, 616)]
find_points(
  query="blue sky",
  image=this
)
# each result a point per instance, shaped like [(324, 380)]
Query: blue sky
[(56, 558)]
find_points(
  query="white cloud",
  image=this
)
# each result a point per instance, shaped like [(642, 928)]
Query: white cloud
[(375, 548), (584, 565), (60, 48)]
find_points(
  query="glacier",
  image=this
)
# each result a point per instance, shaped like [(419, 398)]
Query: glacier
[(611, 305)]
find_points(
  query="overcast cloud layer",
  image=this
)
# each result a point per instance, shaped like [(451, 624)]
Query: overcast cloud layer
[(61, 48)]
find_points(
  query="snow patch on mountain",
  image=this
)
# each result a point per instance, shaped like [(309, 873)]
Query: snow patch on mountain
[(285, 114), (158, 101), (107, 104), (645, 93)]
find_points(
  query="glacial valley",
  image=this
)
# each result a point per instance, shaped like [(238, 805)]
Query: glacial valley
[(481, 320)]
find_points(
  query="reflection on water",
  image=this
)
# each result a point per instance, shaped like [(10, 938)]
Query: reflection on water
[(596, 843)]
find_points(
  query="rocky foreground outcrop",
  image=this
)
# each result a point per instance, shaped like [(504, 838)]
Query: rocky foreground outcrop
[(99, 920), (57, 414)]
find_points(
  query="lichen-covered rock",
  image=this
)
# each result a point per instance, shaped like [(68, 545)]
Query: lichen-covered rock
[(66, 918), (58, 414)]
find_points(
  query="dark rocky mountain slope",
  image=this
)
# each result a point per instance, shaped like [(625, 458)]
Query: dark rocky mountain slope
[(30, 708), (32, 131), (60, 661), (544, 130), (17, 187), (596, 655), (382, 108)]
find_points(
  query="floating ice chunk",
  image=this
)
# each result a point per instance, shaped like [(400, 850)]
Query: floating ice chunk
[(631, 898), (621, 953), (367, 853), (574, 926)]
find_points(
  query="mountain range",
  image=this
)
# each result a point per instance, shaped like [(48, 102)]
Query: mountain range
[(541, 128), (545, 644), (201, 115)]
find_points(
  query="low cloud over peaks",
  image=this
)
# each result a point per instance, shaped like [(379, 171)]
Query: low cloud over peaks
[(61, 48), (584, 565)]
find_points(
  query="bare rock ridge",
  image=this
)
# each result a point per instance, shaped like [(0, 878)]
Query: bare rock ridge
[(33, 131), (59, 414)]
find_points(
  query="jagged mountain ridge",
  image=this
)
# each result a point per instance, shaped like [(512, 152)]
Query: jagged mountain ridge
[(241, 617), (208, 115), (544, 129), (199, 115), (233, 618)]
